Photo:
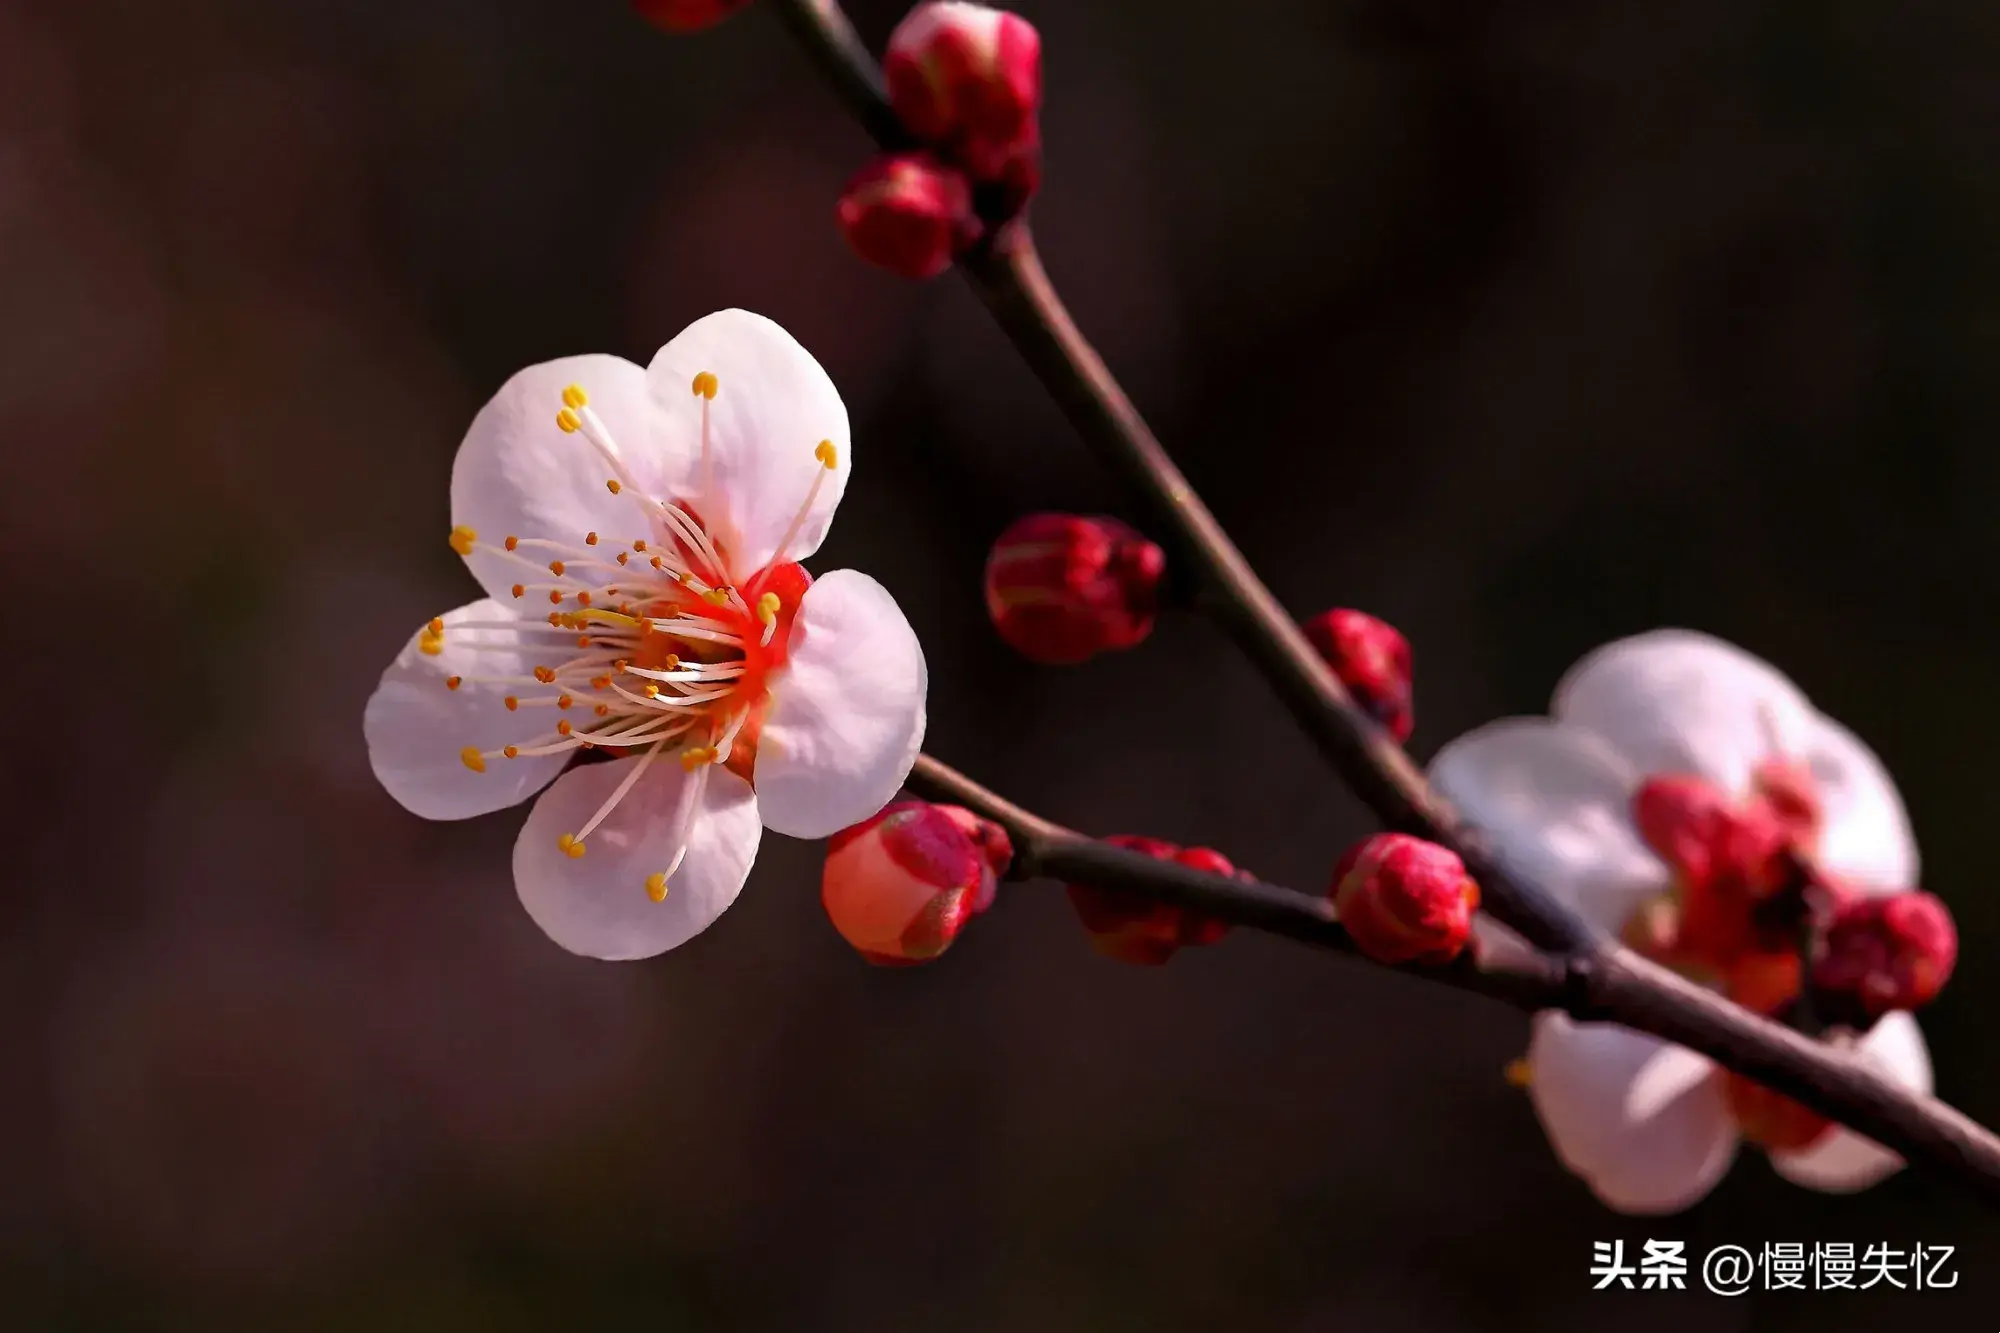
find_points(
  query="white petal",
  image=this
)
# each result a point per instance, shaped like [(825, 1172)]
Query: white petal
[(596, 904), (773, 406), (847, 715), (1844, 1162), (518, 474), (1556, 801), (1674, 701), (417, 728), (1867, 833), (1643, 1122)]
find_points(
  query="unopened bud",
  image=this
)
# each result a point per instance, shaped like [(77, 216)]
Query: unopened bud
[(1770, 1120), (1136, 929), (908, 213), (1886, 953), (1404, 900), (1062, 589), (686, 15), (1372, 660), (966, 79), (900, 887)]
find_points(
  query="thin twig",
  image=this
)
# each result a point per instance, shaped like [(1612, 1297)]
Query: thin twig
[(1620, 988), (1602, 980)]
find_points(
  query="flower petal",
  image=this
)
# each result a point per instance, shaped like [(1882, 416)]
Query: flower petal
[(1556, 801), (596, 904), (1866, 835), (1844, 1162), (1643, 1122), (518, 474), (1675, 701), (418, 728), (847, 715), (773, 406)]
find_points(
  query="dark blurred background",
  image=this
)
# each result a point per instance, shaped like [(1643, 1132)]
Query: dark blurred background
[(1524, 324)]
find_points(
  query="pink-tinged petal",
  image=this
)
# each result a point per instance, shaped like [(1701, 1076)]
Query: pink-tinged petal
[(1675, 701), (418, 727), (1643, 1122), (1866, 834), (519, 474), (1556, 801), (772, 408), (1844, 1162), (847, 714), (598, 904)]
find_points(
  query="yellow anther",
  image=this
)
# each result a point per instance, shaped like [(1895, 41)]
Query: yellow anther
[(574, 396), (570, 422), (472, 759), (520, 589), (639, 545), (656, 562), (706, 385), (624, 556), (556, 568), (767, 608), (716, 596), (513, 542), (436, 627), (583, 599), (511, 751), (429, 644), (564, 701), (1518, 1073), (583, 641), (600, 682), (604, 710), (556, 619), (652, 691), (673, 663), (570, 846), (555, 598), (828, 456), (611, 484), (546, 675), (590, 539), (695, 757), (512, 703), (645, 624), (453, 682), (563, 727), (462, 539), (656, 886), (618, 664)]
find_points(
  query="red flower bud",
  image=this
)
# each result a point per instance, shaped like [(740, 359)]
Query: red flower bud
[(1887, 953), (1773, 1122), (900, 887), (1681, 819), (1372, 660), (1135, 929), (908, 213), (686, 15), (1404, 900), (1062, 589), (967, 79)]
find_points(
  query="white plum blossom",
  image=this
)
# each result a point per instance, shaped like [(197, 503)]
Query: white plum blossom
[(1645, 1123), (637, 532)]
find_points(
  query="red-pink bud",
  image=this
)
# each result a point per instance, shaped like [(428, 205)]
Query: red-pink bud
[(1062, 589), (1372, 660), (1136, 929), (908, 213), (966, 79), (900, 887), (1887, 953), (1404, 900), (686, 15)]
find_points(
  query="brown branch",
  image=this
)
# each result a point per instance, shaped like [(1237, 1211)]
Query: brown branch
[(1617, 986), (1601, 980)]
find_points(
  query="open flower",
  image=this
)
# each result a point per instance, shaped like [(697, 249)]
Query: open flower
[(637, 533), (1726, 747)]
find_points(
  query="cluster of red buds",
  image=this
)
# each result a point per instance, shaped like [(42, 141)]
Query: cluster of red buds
[(1136, 929), (1372, 660), (966, 82), (1062, 588), (901, 886)]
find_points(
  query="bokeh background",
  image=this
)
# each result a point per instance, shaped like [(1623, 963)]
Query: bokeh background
[(1524, 324)]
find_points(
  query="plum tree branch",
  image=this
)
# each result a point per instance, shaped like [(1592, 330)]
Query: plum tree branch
[(1598, 979)]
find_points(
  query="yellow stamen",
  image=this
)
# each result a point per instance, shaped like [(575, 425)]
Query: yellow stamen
[(429, 644), (1519, 1074), (767, 608), (570, 846), (656, 887), (706, 385), (546, 675), (462, 539), (574, 396), (436, 627), (512, 703), (520, 589), (590, 539), (513, 542), (716, 597), (564, 701), (472, 759), (453, 682), (570, 422), (695, 757), (563, 727), (611, 484), (639, 545), (556, 568), (511, 751), (827, 455)]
